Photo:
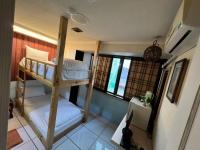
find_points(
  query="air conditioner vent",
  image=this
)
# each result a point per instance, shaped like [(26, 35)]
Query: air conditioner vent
[(181, 40), (184, 32)]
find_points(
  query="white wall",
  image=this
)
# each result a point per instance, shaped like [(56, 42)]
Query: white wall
[(126, 49), (172, 118), (71, 47)]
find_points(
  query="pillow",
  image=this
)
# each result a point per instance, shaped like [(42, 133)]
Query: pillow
[(34, 91), (65, 92), (36, 54)]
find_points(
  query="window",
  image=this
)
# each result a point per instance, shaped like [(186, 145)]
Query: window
[(118, 76), (123, 77), (113, 75), (126, 77)]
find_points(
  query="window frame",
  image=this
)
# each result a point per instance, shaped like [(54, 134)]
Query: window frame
[(114, 94)]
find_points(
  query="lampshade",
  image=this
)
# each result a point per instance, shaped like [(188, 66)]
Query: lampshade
[(153, 52)]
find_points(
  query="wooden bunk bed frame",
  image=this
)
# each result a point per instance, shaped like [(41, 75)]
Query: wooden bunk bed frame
[(55, 84)]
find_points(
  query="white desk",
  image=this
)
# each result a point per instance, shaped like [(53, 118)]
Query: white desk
[(117, 136)]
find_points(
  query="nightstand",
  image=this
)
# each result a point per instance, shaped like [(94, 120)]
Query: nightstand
[(141, 113)]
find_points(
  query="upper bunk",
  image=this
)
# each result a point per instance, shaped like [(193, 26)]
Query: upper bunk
[(35, 64)]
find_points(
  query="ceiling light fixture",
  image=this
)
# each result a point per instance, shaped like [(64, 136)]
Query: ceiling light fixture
[(77, 17)]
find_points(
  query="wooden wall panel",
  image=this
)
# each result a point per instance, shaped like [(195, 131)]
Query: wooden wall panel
[(18, 50)]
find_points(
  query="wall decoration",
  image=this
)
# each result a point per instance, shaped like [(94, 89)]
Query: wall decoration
[(177, 80)]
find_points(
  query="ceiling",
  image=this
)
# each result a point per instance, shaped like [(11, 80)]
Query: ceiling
[(109, 20)]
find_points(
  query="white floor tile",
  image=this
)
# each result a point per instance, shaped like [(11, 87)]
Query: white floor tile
[(55, 145), (102, 145), (96, 126), (30, 131), (83, 138), (67, 145), (26, 146), (38, 144), (102, 119), (74, 130), (107, 133)]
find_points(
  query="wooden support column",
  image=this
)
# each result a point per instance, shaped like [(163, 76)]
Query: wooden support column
[(91, 81), (57, 79), (6, 35)]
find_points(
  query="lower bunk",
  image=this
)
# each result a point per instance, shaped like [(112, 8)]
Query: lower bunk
[(36, 111)]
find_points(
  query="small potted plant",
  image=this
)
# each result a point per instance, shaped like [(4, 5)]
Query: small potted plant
[(148, 98)]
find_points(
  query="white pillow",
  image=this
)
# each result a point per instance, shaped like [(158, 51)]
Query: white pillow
[(65, 92), (36, 54), (34, 91)]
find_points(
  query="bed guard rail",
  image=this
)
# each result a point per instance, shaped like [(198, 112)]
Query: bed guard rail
[(29, 62), (54, 82)]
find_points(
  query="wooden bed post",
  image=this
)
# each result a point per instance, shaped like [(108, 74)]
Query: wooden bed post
[(57, 79), (91, 81)]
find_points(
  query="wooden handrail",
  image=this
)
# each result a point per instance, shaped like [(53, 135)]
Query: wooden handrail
[(40, 61), (37, 66)]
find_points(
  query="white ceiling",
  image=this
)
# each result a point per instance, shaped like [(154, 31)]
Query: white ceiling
[(109, 20)]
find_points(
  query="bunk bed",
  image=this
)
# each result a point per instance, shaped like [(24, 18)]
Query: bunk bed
[(51, 111)]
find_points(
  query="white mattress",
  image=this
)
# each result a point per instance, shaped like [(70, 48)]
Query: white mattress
[(37, 108), (72, 69)]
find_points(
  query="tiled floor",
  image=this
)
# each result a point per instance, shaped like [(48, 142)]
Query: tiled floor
[(93, 135)]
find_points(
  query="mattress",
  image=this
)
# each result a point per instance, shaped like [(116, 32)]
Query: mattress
[(37, 108), (72, 69)]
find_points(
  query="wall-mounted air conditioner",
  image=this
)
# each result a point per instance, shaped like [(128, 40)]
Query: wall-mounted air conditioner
[(185, 31)]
